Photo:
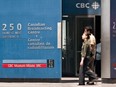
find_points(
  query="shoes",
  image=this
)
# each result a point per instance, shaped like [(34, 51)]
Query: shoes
[(93, 80), (88, 83), (81, 84)]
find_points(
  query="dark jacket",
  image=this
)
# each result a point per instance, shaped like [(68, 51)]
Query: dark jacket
[(85, 50)]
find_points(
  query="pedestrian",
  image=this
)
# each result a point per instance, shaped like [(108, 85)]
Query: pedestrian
[(88, 30), (85, 60)]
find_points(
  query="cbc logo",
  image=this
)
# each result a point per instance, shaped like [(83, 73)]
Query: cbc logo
[(95, 5), (83, 5)]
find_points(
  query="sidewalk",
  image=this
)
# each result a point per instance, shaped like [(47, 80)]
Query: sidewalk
[(66, 82)]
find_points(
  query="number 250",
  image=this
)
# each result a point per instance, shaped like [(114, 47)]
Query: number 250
[(11, 26)]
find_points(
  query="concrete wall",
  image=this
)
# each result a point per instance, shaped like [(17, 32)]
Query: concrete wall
[(105, 38)]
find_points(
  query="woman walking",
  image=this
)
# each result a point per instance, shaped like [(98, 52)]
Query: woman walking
[(86, 54)]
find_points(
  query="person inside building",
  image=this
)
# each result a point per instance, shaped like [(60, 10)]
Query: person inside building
[(98, 60), (84, 63)]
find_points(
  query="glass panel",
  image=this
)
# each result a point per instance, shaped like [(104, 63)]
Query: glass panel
[(64, 34)]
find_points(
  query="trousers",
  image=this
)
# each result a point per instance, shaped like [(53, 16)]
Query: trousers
[(85, 69)]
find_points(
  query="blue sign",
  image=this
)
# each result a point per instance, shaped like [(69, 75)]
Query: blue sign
[(81, 7), (113, 38), (30, 38)]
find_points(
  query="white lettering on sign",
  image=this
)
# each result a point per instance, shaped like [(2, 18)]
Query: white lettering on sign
[(11, 26), (95, 5), (114, 25), (83, 5)]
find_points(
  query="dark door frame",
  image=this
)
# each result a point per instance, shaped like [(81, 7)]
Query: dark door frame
[(77, 52)]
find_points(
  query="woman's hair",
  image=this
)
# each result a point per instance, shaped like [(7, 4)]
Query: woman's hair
[(88, 28), (88, 36)]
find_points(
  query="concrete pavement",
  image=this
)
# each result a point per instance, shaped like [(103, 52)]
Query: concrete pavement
[(66, 82)]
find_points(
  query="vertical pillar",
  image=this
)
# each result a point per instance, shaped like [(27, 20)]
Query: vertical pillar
[(108, 60)]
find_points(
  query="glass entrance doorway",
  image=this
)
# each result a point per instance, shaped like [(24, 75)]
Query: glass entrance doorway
[(68, 59), (81, 22), (72, 30)]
